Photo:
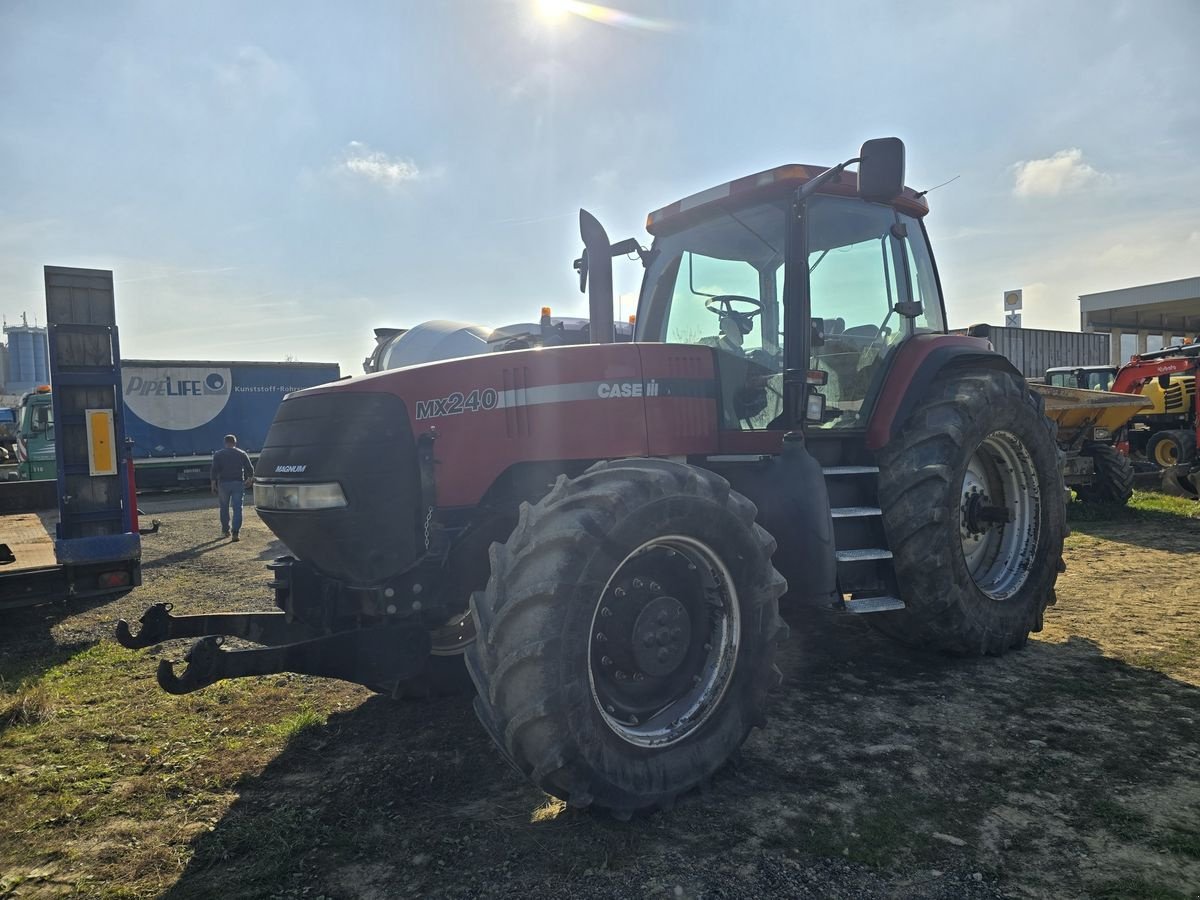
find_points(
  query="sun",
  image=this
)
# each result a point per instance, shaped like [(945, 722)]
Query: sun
[(552, 12)]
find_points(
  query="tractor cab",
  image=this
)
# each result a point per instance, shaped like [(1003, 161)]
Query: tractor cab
[(718, 274)]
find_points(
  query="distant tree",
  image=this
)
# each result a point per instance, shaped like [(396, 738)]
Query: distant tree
[(289, 358)]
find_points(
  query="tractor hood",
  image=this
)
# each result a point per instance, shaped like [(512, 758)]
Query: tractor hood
[(484, 413)]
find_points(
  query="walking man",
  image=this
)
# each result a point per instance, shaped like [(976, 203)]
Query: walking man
[(232, 473)]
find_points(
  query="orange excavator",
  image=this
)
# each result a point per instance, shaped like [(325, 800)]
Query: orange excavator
[(1172, 448)]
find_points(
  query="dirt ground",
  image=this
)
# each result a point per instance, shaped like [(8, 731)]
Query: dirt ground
[(1068, 769)]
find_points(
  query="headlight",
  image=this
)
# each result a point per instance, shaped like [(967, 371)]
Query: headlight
[(1101, 434), (299, 496)]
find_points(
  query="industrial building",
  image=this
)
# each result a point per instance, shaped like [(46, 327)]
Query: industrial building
[(26, 360), (1143, 318)]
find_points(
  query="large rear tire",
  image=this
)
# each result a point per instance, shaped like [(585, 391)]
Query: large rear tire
[(974, 509), (628, 634), (1112, 480)]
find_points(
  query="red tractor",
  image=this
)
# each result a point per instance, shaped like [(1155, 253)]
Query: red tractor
[(597, 537)]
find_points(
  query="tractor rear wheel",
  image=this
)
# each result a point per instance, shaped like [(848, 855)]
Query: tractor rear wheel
[(1112, 480), (627, 634), (974, 509), (1171, 448)]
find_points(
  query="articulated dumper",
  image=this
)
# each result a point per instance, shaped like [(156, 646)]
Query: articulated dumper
[(595, 538)]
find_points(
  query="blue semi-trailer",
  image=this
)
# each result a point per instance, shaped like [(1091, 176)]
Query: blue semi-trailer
[(177, 413)]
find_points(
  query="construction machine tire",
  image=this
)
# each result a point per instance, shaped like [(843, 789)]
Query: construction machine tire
[(1182, 481), (1112, 480), (978, 449), (627, 634), (1171, 448)]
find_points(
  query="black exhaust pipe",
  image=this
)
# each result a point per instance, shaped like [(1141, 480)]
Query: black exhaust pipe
[(596, 274)]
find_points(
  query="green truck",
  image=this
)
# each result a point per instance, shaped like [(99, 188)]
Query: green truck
[(35, 437)]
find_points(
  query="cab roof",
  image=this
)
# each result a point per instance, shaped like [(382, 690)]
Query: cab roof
[(764, 184)]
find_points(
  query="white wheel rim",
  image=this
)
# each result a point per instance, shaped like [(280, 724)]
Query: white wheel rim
[(679, 715), (1000, 483)]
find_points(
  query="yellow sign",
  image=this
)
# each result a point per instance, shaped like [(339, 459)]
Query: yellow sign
[(102, 440), (1012, 300)]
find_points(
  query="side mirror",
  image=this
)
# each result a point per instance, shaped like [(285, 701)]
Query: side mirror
[(881, 169), (817, 337)]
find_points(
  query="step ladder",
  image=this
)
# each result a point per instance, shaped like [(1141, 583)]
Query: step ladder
[(866, 579)]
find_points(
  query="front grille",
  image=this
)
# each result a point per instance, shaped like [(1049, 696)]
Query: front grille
[(364, 442)]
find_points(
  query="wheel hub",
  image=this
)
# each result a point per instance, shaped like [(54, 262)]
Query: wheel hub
[(661, 636), (979, 514), (664, 641)]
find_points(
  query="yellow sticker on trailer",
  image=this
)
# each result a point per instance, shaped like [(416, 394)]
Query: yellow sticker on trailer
[(101, 436)]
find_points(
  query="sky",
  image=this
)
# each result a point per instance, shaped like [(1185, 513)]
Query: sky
[(276, 179)]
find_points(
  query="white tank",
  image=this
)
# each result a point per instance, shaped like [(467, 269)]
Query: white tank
[(427, 342)]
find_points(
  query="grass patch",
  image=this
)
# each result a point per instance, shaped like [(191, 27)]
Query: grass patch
[(30, 704), (290, 727), (1144, 505), (1182, 841), (1118, 819), (95, 751), (1181, 655)]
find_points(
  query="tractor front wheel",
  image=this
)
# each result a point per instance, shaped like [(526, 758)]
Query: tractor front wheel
[(627, 634), (973, 506)]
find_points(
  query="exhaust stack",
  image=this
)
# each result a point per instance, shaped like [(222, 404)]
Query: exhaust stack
[(595, 274)]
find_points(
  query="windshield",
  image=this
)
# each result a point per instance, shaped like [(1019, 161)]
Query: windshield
[(737, 254), (719, 283)]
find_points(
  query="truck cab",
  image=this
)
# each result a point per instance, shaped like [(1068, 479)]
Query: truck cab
[(35, 436)]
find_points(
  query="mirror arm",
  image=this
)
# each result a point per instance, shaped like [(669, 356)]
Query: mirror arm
[(809, 187)]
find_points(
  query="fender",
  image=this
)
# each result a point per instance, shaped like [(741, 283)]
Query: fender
[(917, 363)]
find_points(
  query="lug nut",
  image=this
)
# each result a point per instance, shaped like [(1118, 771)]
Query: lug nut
[(691, 567), (610, 710), (707, 647), (605, 611), (655, 586), (605, 661), (663, 654), (638, 676), (637, 582), (600, 636), (620, 592), (621, 676)]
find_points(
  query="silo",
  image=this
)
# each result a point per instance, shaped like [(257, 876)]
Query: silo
[(27, 358), (41, 356)]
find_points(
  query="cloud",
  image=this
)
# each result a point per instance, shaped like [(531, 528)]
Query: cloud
[(360, 161), (1061, 173)]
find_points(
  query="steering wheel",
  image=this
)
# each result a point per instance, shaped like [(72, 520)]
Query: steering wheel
[(722, 305)]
